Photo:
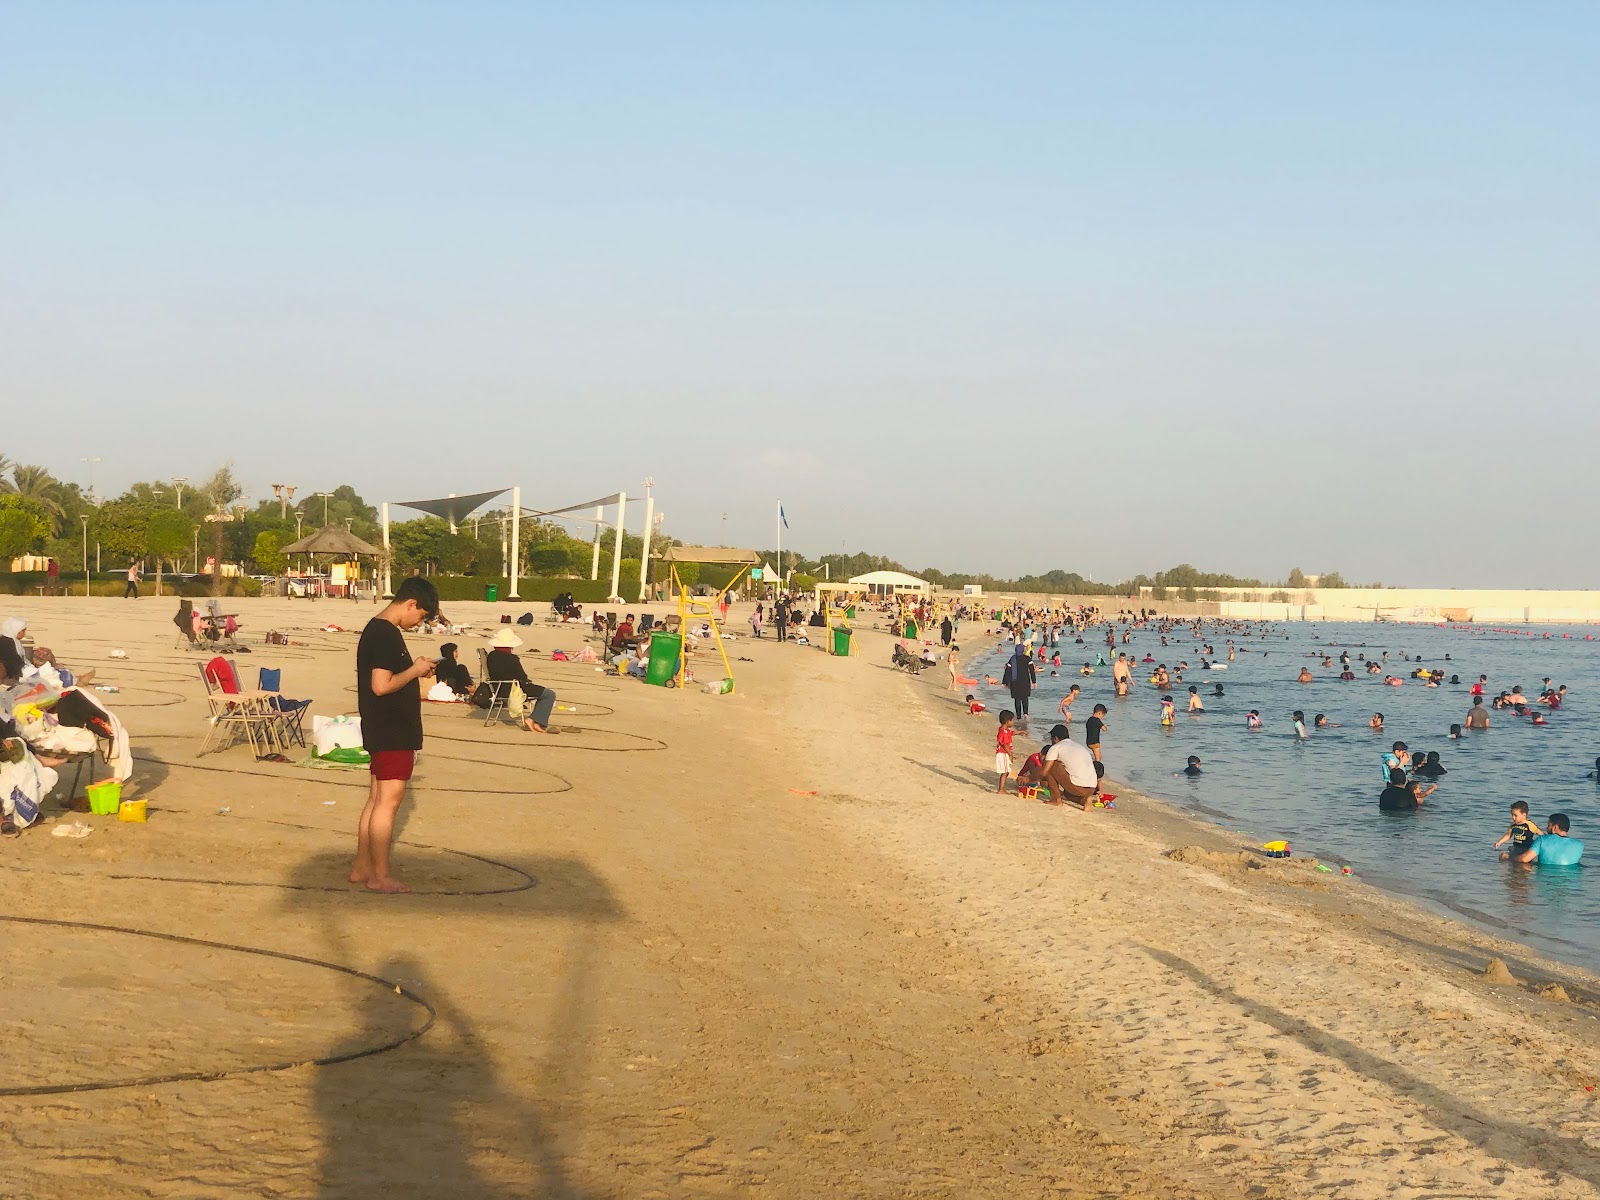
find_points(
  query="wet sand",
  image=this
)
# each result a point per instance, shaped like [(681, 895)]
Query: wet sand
[(785, 942)]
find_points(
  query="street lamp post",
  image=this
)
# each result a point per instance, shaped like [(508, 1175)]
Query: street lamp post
[(91, 461), (325, 497), (299, 516), (177, 482), (85, 521)]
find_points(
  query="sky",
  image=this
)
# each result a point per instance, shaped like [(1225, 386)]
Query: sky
[(995, 287)]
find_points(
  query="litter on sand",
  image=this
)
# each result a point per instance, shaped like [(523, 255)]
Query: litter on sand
[(329, 803), (76, 830)]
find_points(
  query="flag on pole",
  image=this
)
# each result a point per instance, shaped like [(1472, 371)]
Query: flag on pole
[(781, 516)]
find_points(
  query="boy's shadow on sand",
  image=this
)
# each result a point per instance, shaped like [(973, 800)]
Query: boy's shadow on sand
[(437, 1116)]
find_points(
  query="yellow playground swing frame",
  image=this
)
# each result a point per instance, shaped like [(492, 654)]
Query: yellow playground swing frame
[(706, 609)]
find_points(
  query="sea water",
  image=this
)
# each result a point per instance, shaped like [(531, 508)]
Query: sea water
[(1321, 794)]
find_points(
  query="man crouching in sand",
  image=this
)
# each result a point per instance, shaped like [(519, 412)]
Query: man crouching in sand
[(1069, 770), (390, 700)]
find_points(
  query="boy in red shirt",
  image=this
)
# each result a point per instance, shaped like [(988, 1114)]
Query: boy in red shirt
[(1002, 748)]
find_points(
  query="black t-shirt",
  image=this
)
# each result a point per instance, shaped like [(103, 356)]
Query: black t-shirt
[(1091, 731), (392, 722), (1397, 798)]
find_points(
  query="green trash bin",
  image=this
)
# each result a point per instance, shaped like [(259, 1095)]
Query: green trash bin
[(841, 640), (665, 651), (851, 612), (911, 629), (491, 592)]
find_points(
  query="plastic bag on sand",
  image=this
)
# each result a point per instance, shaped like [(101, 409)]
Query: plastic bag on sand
[(76, 830), (719, 687), (333, 733)]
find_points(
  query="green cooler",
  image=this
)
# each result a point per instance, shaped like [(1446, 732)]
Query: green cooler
[(841, 641), (665, 651)]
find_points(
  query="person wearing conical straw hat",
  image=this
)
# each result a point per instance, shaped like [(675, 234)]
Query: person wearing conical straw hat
[(506, 667)]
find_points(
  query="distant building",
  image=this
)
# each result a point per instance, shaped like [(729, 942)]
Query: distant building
[(891, 583)]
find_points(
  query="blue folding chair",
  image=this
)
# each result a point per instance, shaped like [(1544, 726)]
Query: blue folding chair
[(291, 713)]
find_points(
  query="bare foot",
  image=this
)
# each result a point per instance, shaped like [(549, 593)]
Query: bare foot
[(358, 877), (391, 887)]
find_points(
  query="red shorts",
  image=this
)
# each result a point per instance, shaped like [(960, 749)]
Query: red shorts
[(393, 764)]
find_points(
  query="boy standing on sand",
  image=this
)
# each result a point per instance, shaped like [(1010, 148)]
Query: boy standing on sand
[(390, 701), (1002, 748)]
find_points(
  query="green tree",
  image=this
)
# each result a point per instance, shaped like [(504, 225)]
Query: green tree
[(1332, 579), (44, 489), (167, 535), (268, 558), (1297, 578), (23, 526)]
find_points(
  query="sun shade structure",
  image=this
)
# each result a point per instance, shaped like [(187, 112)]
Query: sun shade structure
[(453, 509), (335, 539), (712, 555)]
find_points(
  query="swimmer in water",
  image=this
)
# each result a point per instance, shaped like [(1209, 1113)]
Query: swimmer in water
[(1252, 720), (1066, 702), (1322, 722), (1194, 701), (1216, 690), (1522, 832), (1538, 719), (1168, 714), (1455, 733), (1194, 766), (1300, 725), (1305, 675), (1376, 722)]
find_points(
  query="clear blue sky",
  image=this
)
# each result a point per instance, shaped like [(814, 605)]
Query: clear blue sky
[(985, 286)]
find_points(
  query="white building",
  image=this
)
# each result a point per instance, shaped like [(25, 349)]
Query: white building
[(890, 583)]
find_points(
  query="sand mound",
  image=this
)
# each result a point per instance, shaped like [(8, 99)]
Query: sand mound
[(1556, 993), (1497, 972), (1243, 864)]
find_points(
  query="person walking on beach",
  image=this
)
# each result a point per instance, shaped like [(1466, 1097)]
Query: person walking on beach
[(780, 617), (389, 697), (133, 582), (1019, 678)]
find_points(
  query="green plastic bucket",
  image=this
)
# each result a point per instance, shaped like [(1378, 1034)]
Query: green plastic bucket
[(841, 640), (665, 651), (104, 797)]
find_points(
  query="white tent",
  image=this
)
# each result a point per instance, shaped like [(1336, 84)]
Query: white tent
[(891, 583)]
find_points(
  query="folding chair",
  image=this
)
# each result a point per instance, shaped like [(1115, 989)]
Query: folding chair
[(184, 620), (499, 690), (235, 710), (291, 714)]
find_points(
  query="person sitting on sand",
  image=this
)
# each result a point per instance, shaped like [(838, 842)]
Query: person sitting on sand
[(1554, 848), (448, 671), (506, 667), (1400, 796)]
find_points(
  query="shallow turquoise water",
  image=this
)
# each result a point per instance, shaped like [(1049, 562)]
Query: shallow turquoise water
[(1322, 794)]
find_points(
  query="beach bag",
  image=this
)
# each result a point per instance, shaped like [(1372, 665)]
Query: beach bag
[(525, 619), (335, 733), (483, 695), (516, 702)]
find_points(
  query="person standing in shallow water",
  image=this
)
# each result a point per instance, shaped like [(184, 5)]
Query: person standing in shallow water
[(1019, 679), (389, 697)]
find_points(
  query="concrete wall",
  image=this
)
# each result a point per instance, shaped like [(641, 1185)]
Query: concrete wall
[(1442, 605)]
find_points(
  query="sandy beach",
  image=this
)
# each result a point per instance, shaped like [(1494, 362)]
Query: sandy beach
[(783, 942)]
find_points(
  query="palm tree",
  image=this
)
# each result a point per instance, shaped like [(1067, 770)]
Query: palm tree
[(5, 468), (37, 484)]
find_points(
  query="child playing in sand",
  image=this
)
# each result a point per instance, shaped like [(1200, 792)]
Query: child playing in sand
[(973, 706), (1002, 748), (1522, 832)]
